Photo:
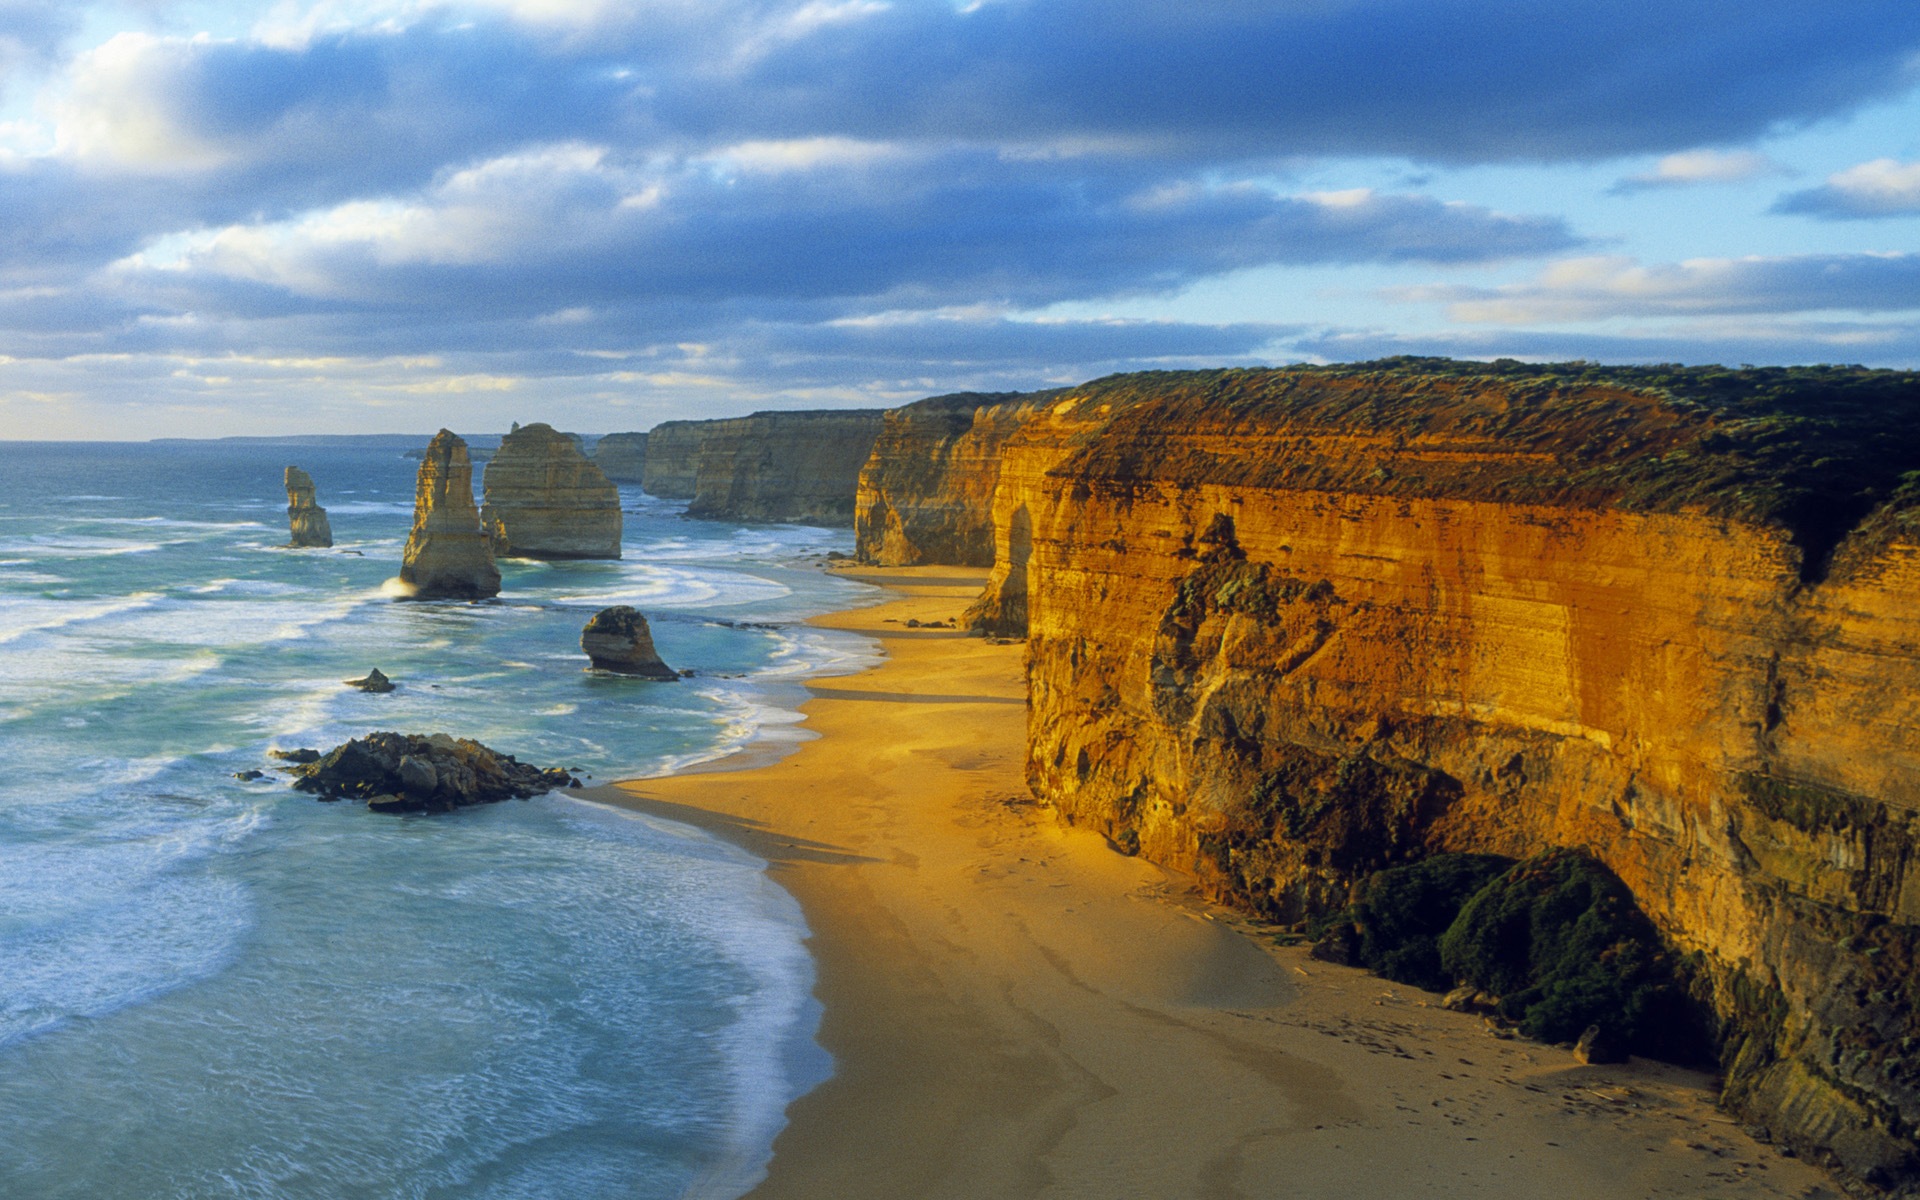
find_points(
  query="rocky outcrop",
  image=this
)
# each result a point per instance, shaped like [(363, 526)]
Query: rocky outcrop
[(308, 520), (1287, 628), (800, 467), (374, 681), (447, 554), (400, 772), (926, 493), (622, 457), (617, 639), (673, 459), (544, 499)]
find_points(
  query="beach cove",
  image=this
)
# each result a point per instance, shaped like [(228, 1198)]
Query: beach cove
[(1016, 1009)]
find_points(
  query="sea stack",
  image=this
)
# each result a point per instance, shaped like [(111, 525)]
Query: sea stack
[(307, 520), (545, 499), (447, 556), (618, 640)]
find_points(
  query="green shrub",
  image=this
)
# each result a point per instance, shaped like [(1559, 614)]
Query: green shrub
[(1560, 940), (1401, 913)]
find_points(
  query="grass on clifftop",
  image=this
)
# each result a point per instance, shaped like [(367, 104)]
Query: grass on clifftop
[(1814, 450)]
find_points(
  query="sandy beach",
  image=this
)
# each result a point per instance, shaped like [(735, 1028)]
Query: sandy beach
[(1015, 1009)]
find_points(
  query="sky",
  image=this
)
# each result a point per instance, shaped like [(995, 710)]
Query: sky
[(341, 216)]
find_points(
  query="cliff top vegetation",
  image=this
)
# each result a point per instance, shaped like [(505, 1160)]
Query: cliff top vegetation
[(1814, 450)]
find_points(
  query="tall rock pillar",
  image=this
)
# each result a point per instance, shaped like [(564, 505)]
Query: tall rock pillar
[(448, 557), (306, 519), (545, 499)]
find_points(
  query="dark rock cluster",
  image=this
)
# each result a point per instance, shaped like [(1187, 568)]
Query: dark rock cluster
[(402, 772)]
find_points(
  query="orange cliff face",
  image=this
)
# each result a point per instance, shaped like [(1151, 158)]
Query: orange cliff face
[(926, 494), (1287, 628)]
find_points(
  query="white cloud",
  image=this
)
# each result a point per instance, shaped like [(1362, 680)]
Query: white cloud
[(1883, 187), (1605, 288), (120, 108), (1693, 167)]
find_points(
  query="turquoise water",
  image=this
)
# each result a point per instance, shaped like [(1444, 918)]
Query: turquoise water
[(211, 987)]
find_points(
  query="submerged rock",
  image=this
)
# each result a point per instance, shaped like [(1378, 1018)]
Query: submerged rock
[(545, 499), (375, 682), (447, 555), (402, 772), (618, 640), (306, 519)]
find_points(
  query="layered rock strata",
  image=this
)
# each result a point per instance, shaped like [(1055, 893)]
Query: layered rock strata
[(306, 519), (1287, 628), (618, 639), (799, 467), (673, 459), (447, 556), (544, 499), (622, 457), (926, 494)]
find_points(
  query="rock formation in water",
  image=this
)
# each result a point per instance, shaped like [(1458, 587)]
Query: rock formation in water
[(399, 772), (544, 499), (622, 457), (374, 681), (784, 466), (307, 519), (1288, 628), (673, 459), (447, 556), (617, 639)]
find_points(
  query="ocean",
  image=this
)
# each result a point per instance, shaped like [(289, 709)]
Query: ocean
[(215, 987)]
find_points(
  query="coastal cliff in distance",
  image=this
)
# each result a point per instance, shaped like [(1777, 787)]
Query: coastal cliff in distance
[(673, 459), (448, 556), (622, 457), (1287, 628), (926, 494), (306, 520), (544, 499), (801, 467)]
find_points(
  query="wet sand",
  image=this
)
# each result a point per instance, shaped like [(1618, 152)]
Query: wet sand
[(1015, 1009)]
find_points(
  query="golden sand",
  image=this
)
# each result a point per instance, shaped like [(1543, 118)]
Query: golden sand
[(1015, 1009)]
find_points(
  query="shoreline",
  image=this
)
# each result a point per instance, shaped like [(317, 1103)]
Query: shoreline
[(1016, 1009)]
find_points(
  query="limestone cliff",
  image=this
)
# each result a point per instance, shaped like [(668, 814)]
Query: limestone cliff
[(544, 499), (784, 466), (673, 459), (1289, 627), (622, 457), (307, 520), (447, 554), (926, 494)]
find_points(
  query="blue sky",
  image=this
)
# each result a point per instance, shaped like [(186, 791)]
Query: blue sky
[(373, 215)]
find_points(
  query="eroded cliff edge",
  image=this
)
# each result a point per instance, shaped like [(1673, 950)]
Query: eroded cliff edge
[(1289, 627), (801, 466)]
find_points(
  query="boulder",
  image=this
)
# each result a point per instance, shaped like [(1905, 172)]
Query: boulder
[(400, 772), (618, 640), (447, 557), (1596, 1046), (1339, 944), (306, 519), (544, 499), (374, 682), (297, 757)]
